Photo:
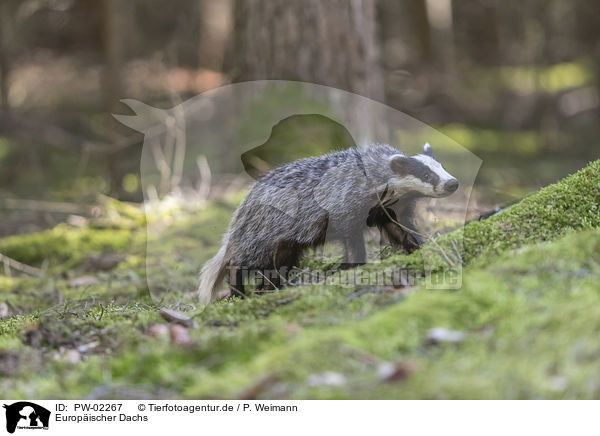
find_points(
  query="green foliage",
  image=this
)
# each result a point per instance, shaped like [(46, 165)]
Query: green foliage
[(64, 243)]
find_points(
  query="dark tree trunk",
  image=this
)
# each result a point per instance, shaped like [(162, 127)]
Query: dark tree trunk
[(6, 42), (331, 43), (113, 40), (419, 23)]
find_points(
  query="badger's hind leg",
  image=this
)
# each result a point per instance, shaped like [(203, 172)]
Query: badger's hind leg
[(355, 251), (236, 284), (286, 256)]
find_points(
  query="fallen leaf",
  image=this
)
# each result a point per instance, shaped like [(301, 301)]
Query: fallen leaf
[(179, 334), (178, 318), (158, 330)]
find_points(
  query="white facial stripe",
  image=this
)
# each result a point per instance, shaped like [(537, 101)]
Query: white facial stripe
[(410, 183), (435, 166)]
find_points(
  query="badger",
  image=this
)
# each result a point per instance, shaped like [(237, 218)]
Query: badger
[(334, 197)]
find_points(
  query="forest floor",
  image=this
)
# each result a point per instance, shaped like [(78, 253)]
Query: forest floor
[(524, 324)]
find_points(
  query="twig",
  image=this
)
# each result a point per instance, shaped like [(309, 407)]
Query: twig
[(7, 268), (45, 206), (21, 266), (266, 278), (441, 251), (458, 253), (360, 293)]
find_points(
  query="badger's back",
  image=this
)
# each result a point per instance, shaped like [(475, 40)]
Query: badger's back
[(293, 203)]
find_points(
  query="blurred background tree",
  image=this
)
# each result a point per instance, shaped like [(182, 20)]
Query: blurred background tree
[(516, 85)]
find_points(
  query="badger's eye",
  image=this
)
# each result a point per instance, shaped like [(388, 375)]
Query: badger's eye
[(426, 177)]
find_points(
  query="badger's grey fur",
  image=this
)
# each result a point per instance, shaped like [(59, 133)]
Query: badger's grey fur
[(333, 197)]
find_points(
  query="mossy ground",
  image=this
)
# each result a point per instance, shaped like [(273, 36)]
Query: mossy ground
[(529, 308)]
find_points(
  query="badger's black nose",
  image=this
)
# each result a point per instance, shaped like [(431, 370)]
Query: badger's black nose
[(451, 185)]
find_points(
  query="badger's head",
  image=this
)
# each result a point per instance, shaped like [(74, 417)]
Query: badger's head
[(421, 174)]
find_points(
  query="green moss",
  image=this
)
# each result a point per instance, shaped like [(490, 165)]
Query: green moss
[(532, 324), (571, 204), (529, 306), (64, 243)]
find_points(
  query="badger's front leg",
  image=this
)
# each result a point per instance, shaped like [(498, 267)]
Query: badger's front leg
[(413, 240), (407, 238), (236, 283)]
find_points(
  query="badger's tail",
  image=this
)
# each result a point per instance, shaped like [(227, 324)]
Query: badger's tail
[(212, 276)]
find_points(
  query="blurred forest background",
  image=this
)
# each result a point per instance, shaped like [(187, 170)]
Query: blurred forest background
[(516, 83)]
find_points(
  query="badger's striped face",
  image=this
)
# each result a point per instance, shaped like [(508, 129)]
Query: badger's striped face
[(421, 174)]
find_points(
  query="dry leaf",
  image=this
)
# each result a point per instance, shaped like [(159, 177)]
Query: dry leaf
[(178, 318), (179, 334), (158, 330)]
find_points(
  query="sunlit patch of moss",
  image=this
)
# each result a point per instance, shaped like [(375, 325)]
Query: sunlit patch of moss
[(527, 79), (14, 324), (479, 140), (64, 243), (7, 282)]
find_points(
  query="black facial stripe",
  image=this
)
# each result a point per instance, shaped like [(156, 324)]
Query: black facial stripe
[(416, 168)]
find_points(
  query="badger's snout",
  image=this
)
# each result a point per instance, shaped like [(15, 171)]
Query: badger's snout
[(451, 186)]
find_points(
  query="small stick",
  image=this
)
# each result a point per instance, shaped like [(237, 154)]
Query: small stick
[(266, 278), (20, 266), (458, 253)]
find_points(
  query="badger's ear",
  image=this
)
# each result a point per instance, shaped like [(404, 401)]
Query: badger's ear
[(427, 150), (399, 163)]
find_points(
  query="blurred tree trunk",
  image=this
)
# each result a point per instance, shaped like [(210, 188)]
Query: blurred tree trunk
[(330, 42), (215, 16), (6, 36), (476, 31), (417, 11), (113, 39)]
